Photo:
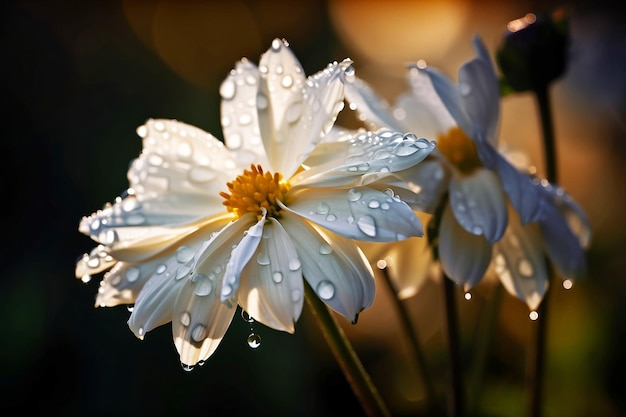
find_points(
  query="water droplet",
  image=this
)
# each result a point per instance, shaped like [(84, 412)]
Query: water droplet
[(331, 217), (132, 274), (254, 340), (326, 249), (200, 174), (184, 254), (533, 315), (468, 296), (568, 284), (198, 333), (465, 89), (182, 272), (294, 264), (245, 119), (187, 368), (203, 285), (367, 225), (228, 89), (477, 230), (246, 317), (227, 290), (373, 204), (160, 269), (261, 101), (525, 268), (130, 308), (142, 131), (325, 289), (185, 318), (296, 295), (262, 258), (287, 81), (404, 149), (294, 112), (322, 208), (277, 277), (354, 195)]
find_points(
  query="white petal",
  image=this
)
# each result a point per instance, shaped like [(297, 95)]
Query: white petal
[(241, 255), (479, 205), (464, 257), (200, 319), (358, 213), (519, 262), (373, 110), (334, 267), (300, 111), (517, 185), (94, 262), (480, 92), (562, 245), (238, 109), (366, 158), (122, 284), (451, 97), (272, 290)]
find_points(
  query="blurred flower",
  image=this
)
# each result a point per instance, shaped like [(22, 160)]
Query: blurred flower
[(486, 212), (206, 227), (534, 51)]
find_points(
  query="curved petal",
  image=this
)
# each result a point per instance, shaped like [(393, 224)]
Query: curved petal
[(366, 158), (239, 119), (94, 262), (358, 213), (519, 262), (240, 256), (272, 290), (200, 319), (334, 267), (479, 205), (373, 110), (464, 257), (295, 107), (451, 97), (480, 94), (562, 245)]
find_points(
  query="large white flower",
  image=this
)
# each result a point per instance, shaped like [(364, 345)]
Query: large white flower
[(205, 227), (489, 205)]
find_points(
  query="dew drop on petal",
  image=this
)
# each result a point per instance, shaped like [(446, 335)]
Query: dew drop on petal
[(325, 249), (203, 285), (185, 318), (254, 340), (200, 174), (465, 89), (296, 295), (132, 274), (367, 225), (373, 204), (525, 268), (262, 258), (294, 264), (287, 81), (322, 208), (246, 317), (477, 230), (198, 333), (182, 272), (261, 101), (160, 269), (354, 195), (331, 217), (294, 112), (228, 89), (277, 277), (325, 289), (184, 254)]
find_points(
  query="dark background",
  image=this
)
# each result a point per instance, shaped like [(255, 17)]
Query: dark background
[(78, 78)]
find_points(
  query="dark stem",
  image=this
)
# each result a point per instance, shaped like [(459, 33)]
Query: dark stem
[(345, 355), (456, 398), (538, 349), (418, 355)]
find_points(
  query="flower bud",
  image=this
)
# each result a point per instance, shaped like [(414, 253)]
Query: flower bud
[(534, 51)]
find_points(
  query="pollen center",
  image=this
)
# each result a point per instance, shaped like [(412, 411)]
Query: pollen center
[(254, 190), (459, 150)]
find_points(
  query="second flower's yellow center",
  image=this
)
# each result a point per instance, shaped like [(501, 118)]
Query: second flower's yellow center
[(254, 190), (459, 150)]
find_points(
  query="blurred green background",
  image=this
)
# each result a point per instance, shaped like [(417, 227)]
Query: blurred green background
[(77, 78)]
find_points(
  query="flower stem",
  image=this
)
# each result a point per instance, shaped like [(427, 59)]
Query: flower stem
[(345, 355), (418, 354), (456, 398), (538, 349)]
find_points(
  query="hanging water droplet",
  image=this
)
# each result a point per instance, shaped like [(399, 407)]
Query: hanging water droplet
[(130, 308), (568, 284), (254, 340), (187, 368), (367, 225), (468, 296), (246, 317), (477, 230), (533, 315), (325, 289)]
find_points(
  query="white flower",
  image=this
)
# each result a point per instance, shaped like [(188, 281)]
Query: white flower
[(490, 206), (206, 227)]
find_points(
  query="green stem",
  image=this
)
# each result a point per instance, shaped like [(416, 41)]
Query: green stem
[(538, 349), (456, 398), (345, 355), (418, 355)]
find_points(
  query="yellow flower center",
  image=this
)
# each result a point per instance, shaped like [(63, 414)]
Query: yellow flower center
[(459, 150), (254, 190)]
